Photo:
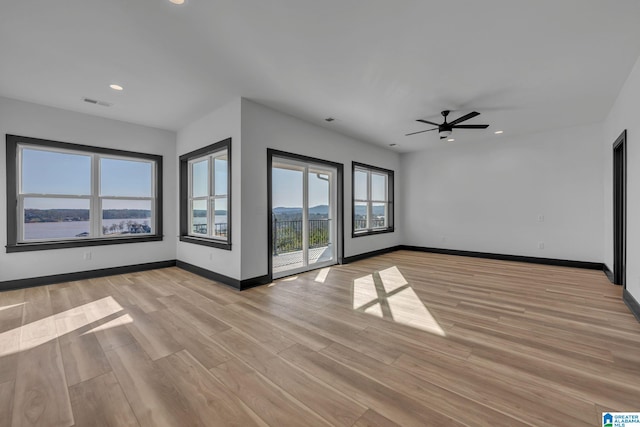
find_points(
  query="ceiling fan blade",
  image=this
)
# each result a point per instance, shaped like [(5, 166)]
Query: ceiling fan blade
[(422, 131), (465, 118), (428, 122), (470, 126)]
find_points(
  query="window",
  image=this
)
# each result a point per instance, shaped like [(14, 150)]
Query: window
[(65, 195), (205, 196), (372, 200)]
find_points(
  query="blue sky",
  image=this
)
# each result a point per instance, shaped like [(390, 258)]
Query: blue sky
[(200, 178), (287, 189), (45, 172)]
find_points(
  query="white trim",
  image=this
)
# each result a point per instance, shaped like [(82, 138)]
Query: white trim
[(211, 196), (311, 168), (95, 199), (370, 201)]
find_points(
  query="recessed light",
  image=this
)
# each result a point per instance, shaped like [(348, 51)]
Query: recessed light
[(498, 132), (177, 1), (116, 87), (450, 140)]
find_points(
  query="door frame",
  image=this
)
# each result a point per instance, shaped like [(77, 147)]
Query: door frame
[(620, 210), (271, 153)]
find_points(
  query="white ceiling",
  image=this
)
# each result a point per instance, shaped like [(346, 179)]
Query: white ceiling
[(374, 65)]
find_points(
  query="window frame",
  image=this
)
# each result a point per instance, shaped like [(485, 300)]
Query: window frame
[(389, 228), (186, 162), (15, 198)]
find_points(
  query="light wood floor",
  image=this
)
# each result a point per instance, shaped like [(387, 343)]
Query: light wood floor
[(406, 338)]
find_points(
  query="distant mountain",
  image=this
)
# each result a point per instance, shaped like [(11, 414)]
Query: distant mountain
[(70, 215), (286, 211), (282, 213), (319, 210), (324, 210), (362, 211), (201, 213)]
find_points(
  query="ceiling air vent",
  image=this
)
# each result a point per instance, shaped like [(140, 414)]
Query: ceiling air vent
[(96, 102)]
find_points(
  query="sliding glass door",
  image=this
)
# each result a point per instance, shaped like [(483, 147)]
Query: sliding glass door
[(303, 216)]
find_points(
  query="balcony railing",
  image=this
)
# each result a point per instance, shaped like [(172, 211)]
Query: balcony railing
[(287, 235), (361, 224), (220, 229)]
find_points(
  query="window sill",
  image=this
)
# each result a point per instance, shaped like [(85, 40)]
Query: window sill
[(355, 234), (66, 244), (206, 242)]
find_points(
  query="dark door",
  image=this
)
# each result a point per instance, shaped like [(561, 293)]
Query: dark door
[(620, 209)]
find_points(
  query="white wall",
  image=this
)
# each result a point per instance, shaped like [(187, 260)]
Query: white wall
[(218, 125), (264, 128), (625, 114), (487, 196), (26, 119)]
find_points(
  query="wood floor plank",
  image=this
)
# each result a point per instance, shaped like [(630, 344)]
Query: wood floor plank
[(200, 319), (207, 398), (274, 406), (152, 337), (142, 297), (396, 406), (454, 405), (11, 313), (6, 403), (41, 394), (152, 396), (203, 347), (82, 355), (331, 404), (38, 323), (100, 402), (373, 419), (112, 331), (300, 334)]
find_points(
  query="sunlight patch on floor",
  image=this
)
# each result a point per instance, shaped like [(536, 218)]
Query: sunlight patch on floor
[(392, 279), (48, 328), (119, 321), (388, 295), (322, 274), (364, 292), (406, 308), (7, 307)]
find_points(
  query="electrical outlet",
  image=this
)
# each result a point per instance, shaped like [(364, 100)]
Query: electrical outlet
[(443, 239), (87, 256), (540, 245), (540, 218), (210, 256)]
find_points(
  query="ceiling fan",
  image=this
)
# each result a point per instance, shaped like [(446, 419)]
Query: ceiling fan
[(444, 129)]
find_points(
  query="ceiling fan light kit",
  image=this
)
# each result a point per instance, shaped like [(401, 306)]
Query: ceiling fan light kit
[(446, 129), (445, 133)]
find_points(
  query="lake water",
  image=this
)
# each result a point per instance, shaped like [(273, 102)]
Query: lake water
[(62, 230)]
